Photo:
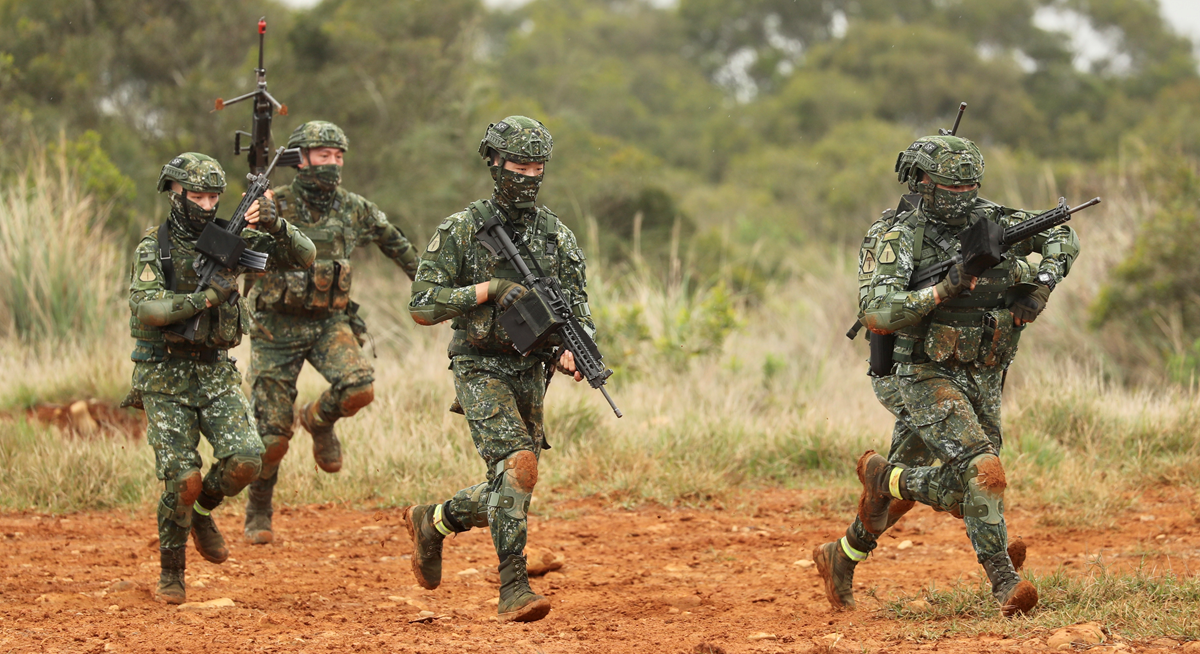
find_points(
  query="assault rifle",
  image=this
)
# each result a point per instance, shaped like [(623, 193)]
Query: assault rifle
[(543, 311), (265, 105), (221, 246), (981, 246)]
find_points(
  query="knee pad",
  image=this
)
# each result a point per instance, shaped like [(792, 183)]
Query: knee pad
[(517, 476), (274, 447), (984, 495), (237, 471), (353, 398), (182, 491)]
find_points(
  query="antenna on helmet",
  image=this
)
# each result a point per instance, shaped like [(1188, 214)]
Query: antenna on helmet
[(953, 131)]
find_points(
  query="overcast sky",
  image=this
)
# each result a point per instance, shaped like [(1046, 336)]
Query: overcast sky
[(1184, 14)]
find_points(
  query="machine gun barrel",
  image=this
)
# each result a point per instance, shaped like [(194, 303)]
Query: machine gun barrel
[(265, 106)]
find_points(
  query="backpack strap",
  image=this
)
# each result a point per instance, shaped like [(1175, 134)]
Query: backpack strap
[(164, 256)]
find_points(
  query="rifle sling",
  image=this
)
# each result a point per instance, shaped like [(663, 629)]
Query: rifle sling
[(164, 256)]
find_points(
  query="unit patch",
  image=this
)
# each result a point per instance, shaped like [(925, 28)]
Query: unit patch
[(888, 255), (435, 242), (868, 264), (890, 236), (147, 274)]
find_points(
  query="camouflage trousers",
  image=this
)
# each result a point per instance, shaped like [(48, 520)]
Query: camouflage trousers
[(280, 345), (946, 415), (174, 425), (503, 407)]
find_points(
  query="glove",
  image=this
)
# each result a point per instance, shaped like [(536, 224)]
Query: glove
[(956, 282), (221, 286), (268, 217), (1027, 308), (504, 292)]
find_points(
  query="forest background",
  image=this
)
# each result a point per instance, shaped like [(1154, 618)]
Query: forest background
[(719, 162)]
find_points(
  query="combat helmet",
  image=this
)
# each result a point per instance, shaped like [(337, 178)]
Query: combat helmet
[(518, 139), (949, 160), (196, 172), (318, 134)]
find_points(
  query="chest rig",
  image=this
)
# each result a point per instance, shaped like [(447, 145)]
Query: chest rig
[(219, 328), (325, 287), (974, 327), (479, 331)]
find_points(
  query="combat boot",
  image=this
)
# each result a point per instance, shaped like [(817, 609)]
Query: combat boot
[(327, 450), (207, 538), (257, 529), (518, 602), (427, 544), (874, 472), (170, 587), (837, 571), (1015, 595)]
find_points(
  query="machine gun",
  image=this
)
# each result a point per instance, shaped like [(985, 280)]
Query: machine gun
[(543, 312), (265, 106), (221, 246)]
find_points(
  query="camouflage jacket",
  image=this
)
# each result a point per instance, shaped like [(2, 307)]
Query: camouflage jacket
[(166, 362), (974, 329), (325, 287), (455, 261)]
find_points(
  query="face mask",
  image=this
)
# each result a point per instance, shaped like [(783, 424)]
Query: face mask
[(950, 207), (320, 179), (189, 215), (517, 191)]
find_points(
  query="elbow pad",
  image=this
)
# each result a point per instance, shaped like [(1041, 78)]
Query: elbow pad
[(170, 310), (301, 248), (436, 311)]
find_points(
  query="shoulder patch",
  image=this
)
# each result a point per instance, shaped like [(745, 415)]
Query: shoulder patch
[(446, 223), (869, 265), (890, 236), (435, 242), (147, 273), (888, 255)]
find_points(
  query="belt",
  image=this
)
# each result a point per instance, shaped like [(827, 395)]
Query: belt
[(201, 355)]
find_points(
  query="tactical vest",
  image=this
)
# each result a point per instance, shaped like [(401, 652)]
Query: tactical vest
[(324, 288), (220, 327), (975, 328), (478, 331)]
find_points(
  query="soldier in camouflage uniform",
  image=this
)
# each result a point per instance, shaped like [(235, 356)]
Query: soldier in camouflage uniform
[(189, 388), (951, 352), (308, 315), (499, 391)]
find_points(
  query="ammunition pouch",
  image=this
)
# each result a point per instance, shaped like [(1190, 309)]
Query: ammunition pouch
[(317, 292), (530, 321)]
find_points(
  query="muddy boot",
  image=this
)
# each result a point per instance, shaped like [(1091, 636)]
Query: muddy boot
[(427, 544), (518, 603), (1015, 595), (170, 587), (205, 535), (837, 571), (874, 472), (327, 450), (257, 530)]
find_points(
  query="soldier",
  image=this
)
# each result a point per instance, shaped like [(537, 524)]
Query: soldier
[(499, 392), (951, 351), (308, 315), (189, 388)]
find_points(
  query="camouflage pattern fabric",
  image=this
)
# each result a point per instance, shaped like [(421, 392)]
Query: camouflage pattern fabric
[(947, 410), (326, 343), (499, 391), (504, 412), (175, 422)]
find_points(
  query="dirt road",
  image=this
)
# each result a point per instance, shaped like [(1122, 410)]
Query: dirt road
[(649, 580)]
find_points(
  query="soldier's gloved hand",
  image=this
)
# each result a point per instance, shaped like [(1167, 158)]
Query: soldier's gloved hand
[(504, 292), (262, 215), (220, 287), (956, 282), (1029, 307)]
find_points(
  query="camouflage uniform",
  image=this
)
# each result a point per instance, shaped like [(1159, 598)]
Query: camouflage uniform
[(499, 392), (951, 358), (307, 315), (189, 388)]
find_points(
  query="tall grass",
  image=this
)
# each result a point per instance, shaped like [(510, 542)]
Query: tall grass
[(720, 392)]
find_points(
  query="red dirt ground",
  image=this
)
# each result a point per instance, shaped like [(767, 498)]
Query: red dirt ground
[(653, 579)]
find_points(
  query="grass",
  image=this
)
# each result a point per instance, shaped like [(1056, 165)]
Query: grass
[(1137, 605)]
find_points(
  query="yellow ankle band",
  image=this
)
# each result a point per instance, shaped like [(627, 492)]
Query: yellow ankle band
[(854, 554), (439, 523), (201, 510), (894, 483)]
